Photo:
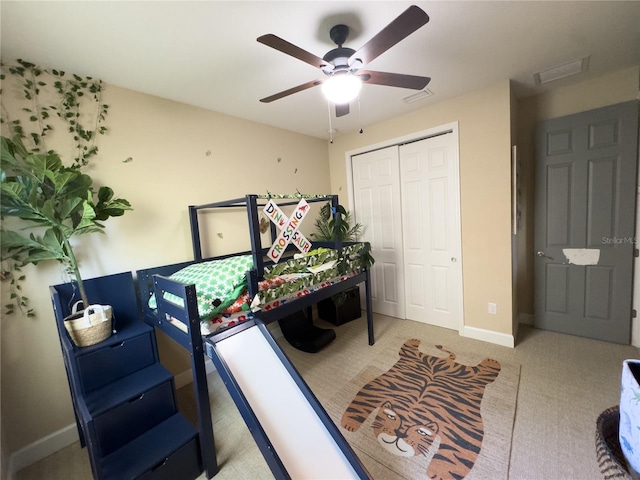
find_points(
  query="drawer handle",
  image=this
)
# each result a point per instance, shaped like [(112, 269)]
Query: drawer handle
[(160, 465), (137, 398), (118, 345)]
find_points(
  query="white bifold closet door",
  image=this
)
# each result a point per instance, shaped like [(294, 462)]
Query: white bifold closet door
[(407, 196), (376, 177)]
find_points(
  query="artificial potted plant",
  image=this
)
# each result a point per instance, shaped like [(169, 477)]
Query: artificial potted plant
[(59, 202), (344, 306)]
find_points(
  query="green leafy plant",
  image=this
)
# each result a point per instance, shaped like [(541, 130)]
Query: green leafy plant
[(329, 227), (59, 202), (338, 226)]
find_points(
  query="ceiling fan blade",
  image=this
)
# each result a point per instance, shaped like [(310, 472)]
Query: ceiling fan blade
[(342, 109), (394, 79), (291, 91), (283, 46), (404, 25)]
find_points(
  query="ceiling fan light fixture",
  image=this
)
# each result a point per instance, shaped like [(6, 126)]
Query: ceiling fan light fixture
[(341, 87)]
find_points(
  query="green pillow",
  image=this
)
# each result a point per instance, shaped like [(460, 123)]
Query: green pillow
[(218, 282)]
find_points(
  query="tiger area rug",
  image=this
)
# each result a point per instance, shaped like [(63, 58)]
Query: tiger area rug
[(434, 414)]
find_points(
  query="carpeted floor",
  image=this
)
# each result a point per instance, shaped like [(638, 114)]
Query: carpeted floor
[(565, 383)]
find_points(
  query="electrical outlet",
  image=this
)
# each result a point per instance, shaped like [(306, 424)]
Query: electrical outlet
[(493, 308)]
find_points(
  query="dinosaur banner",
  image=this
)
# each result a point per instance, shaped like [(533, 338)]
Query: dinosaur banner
[(288, 228)]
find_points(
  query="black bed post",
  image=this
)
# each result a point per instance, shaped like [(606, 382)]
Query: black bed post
[(200, 385), (334, 211), (196, 350), (334, 204), (254, 231), (369, 306), (195, 233)]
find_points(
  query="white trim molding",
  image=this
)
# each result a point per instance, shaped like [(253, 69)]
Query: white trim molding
[(42, 448), (504, 339)]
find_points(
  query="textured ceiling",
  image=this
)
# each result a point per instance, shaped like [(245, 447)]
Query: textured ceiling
[(206, 53)]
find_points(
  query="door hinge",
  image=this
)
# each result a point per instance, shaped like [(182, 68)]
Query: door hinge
[(636, 252), (634, 313)]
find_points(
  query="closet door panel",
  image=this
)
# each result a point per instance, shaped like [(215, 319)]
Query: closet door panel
[(376, 181), (428, 171)]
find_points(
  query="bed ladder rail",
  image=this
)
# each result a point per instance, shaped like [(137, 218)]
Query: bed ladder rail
[(188, 314), (293, 431)]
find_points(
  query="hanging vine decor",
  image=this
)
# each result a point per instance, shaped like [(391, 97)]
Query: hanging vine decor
[(39, 102), (50, 94)]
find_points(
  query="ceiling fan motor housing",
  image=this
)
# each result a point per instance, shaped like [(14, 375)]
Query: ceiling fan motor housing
[(338, 57)]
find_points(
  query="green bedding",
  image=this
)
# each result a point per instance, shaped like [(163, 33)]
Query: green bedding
[(220, 282)]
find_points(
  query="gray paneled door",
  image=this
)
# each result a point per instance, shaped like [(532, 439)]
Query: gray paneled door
[(584, 222)]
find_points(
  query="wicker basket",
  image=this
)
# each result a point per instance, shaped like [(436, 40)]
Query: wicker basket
[(91, 326), (610, 458)]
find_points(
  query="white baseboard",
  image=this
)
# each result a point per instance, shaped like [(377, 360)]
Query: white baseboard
[(635, 332), (42, 448), (498, 338)]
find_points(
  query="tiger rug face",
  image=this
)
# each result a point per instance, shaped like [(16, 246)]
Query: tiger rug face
[(429, 406)]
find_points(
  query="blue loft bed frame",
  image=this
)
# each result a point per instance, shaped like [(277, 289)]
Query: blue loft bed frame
[(155, 280)]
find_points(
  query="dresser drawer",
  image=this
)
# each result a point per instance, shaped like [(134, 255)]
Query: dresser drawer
[(110, 363), (130, 419), (184, 464)]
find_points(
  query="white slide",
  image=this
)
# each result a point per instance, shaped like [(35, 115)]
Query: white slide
[(307, 443)]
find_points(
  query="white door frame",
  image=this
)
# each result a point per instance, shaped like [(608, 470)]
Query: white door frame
[(412, 137)]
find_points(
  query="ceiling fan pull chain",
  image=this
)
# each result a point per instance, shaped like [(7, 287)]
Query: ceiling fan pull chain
[(330, 126), (360, 117)]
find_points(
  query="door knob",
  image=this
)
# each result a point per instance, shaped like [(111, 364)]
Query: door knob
[(541, 254), (453, 259)]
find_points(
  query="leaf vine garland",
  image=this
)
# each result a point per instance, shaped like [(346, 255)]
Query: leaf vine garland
[(49, 100), (50, 94)]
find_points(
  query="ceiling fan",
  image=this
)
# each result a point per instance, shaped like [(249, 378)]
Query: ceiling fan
[(344, 65)]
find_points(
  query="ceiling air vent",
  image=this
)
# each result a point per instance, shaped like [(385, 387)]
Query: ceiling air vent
[(561, 71), (414, 97)]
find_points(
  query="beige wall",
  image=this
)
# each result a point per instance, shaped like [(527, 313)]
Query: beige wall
[(485, 182), (181, 156), (617, 87)]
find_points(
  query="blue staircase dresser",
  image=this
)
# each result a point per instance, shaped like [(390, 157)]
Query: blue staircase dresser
[(124, 400)]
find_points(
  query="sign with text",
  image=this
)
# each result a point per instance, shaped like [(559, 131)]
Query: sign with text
[(288, 228)]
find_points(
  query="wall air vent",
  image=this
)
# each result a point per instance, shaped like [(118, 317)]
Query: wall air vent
[(414, 97), (561, 71)]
